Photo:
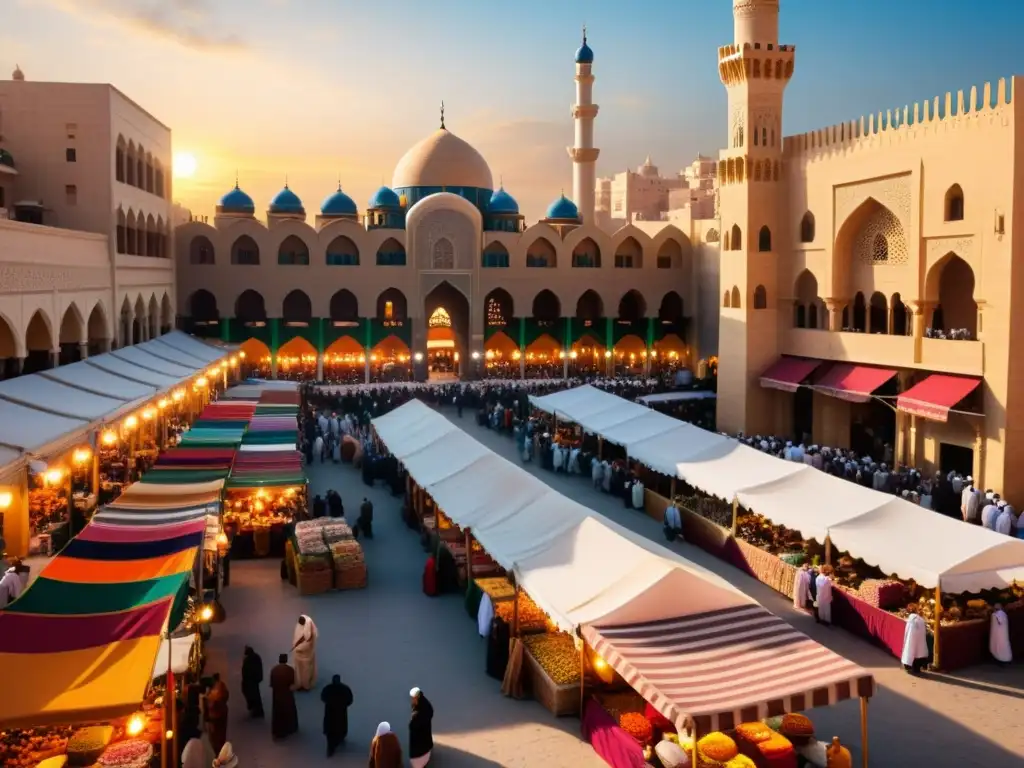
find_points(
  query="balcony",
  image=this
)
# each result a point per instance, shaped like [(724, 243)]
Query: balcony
[(938, 355)]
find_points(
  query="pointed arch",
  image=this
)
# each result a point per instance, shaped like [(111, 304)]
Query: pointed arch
[(727, 242), (760, 297), (953, 205), (871, 235), (140, 167), (546, 306), (72, 326), (119, 158), (245, 252), (737, 238), (442, 255), (670, 255), (392, 305), (153, 316), (200, 251), (629, 254), (391, 254), (495, 256), (589, 307), (735, 298), (900, 316), (541, 254), (671, 308), (727, 299), (293, 252), (860, 313), (98, 329), (166, 314), (807, 228), (297, 309), (499, 308), (202, 307), (764, 240), (131, 234), (152, 236), (878, 313), (342, 252), (250, 308), (950, 285), (9, 346), (344, 307), (711, 236), (129, 164), (39, 333), (632, 307), (586, 254)]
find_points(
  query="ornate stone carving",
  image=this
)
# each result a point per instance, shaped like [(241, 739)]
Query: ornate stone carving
[(881, 241), (25, 278), (893, 193), (443, 254), (439, 226), (937, 247)]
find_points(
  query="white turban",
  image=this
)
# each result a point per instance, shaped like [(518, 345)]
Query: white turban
[(414, 693), (383, 728)]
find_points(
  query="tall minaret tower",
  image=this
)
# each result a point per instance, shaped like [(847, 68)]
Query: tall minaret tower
[(583, 153), (755, 70)]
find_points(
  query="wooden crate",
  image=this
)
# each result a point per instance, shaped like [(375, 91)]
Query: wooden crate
[(559, 700)]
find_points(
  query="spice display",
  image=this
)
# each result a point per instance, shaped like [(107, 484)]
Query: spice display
[(797, 728), (637, 726), (87, 744), (775, 748), (740, 761), (557, 655), (349, 564), (717, 747), (531, 618), (755, 733), (23, 749), (133, 753), (497, 588), (883, 593)]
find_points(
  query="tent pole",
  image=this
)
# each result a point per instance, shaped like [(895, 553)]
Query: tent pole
[(936, 661), (600, 447), (864, 732), (735, 515), (515, 613)]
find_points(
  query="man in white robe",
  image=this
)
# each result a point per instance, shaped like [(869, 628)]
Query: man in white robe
[(915, 644), (10, 586), (596, 473), (999, 636), (304, 653), (802, 587), (823, 599)]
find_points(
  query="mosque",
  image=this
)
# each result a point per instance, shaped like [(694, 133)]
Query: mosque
[(441, 270)]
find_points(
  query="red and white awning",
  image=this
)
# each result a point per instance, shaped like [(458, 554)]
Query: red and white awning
[(788, 373), (853, 383), (935, 396)]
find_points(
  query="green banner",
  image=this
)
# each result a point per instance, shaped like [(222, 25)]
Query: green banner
[(381, 329), (620, 329)]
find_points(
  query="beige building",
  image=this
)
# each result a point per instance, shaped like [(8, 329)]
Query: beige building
[(442, 237), (646, 195), (85, 233), (869, 270)]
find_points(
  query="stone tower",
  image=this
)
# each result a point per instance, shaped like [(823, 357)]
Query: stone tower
[(754, 70), (583, 153)]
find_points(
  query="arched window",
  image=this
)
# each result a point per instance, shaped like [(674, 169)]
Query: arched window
[(878, 313), (200, 251), (954, 203), (807, 228), (812, 315), (443, 256), (860, 319), (541, 254), (293, 252), (737, 238), (898, 310), (586, 255), (244, 251), (342, 252), (799, 315), (495, 256), (760, 298), (725, 242), (879, 249), (764, 240), (735, 297), (391, 254), (726, 299)]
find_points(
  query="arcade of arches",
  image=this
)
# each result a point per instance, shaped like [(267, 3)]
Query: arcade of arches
[(384, 341), (46, 344)]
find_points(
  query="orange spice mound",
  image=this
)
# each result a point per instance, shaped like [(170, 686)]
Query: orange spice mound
[(637, 726), (796, 725), (717, 747), (775, 747), (741, 761), (755, 733)]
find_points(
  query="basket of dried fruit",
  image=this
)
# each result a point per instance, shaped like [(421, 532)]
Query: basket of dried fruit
[(133, 753), (531, 618), (553, 666), (87, 744)]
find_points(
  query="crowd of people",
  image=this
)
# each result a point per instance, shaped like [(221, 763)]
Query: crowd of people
[(952, 494), (204, 724)]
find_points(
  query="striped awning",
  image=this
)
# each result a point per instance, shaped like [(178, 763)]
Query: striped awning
[(726, 667)]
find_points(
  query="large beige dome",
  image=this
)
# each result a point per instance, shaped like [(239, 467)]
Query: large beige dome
[(442, 160)]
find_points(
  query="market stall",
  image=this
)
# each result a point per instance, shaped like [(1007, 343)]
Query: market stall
[(323, 555)]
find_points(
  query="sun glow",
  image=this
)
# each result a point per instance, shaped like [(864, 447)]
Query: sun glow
[(185, 165)]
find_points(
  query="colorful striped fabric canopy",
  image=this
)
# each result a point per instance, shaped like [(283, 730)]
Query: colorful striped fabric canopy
[(257, 469), (83, 637)]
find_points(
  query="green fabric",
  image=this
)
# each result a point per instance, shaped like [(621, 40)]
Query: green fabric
[(239, 425), (270, 438), (64, 598), (184, 476), (180, 604), (473, 597), (268, 480)]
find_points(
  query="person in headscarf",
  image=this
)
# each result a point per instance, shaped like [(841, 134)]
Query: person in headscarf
[(385, 749), (337, 698), (197, 752), (915, 644), (304, 653), (421, 738), (10, 585), (252, 676), (284, 716), (823, 595), (226, 758), (217, 712), (999, 636)]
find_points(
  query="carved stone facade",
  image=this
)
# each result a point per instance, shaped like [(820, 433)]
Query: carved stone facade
[(26, 278), (881, 240), (893, 193), (445, 239)]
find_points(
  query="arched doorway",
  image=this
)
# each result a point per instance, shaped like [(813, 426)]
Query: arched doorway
[(950, 286), (296, 360), (589, 309), (447, 313), (587, 355), (72, 335), (542, 357), (389, 360), (8, 350), (38, 344), (256, 360), (344, 361), (502, 356), (250, 309), (203, 313), (297, 309), (98, 331), (630, 352)]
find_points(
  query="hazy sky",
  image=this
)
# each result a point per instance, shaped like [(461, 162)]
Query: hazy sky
[(322, 89)]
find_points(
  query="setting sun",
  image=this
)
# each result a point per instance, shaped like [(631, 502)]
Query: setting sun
[(184, 165)]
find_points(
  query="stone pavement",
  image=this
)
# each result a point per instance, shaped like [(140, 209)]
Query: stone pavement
[(382, 641), (970, 719)]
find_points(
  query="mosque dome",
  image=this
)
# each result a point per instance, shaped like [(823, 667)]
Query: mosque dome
[(503, 202), (442, 160), (563, 208), (584, 55), (338, 204), (286, 201), (385, 197), (236, 201)]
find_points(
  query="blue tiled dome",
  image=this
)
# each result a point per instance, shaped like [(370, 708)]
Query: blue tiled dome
[(286, 201), (502, 202), (338, 204), (583, 54), (236, 201), (563, 208), (385, 197)]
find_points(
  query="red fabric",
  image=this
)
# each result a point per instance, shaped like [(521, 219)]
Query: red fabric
[(864, 620), (658, 721), (610, 742), (430, 577), (787, 373), (853, 383), (933, 397)]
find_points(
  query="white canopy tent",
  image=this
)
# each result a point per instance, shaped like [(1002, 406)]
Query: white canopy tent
[(92, 379), (143, 359), (204, 352), (61, 399)]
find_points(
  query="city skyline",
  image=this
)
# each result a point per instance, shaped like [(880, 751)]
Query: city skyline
[(337, 90)]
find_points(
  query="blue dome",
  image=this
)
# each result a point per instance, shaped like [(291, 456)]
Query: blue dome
[(338, 204), (385, 197), (286, 201), (584, 55), (563, 208), (502, 202), (236, 201)]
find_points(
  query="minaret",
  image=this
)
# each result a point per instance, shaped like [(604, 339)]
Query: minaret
[(755, 70), (583, 153)]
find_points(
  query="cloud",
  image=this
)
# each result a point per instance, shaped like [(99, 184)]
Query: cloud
[(188, 23)]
